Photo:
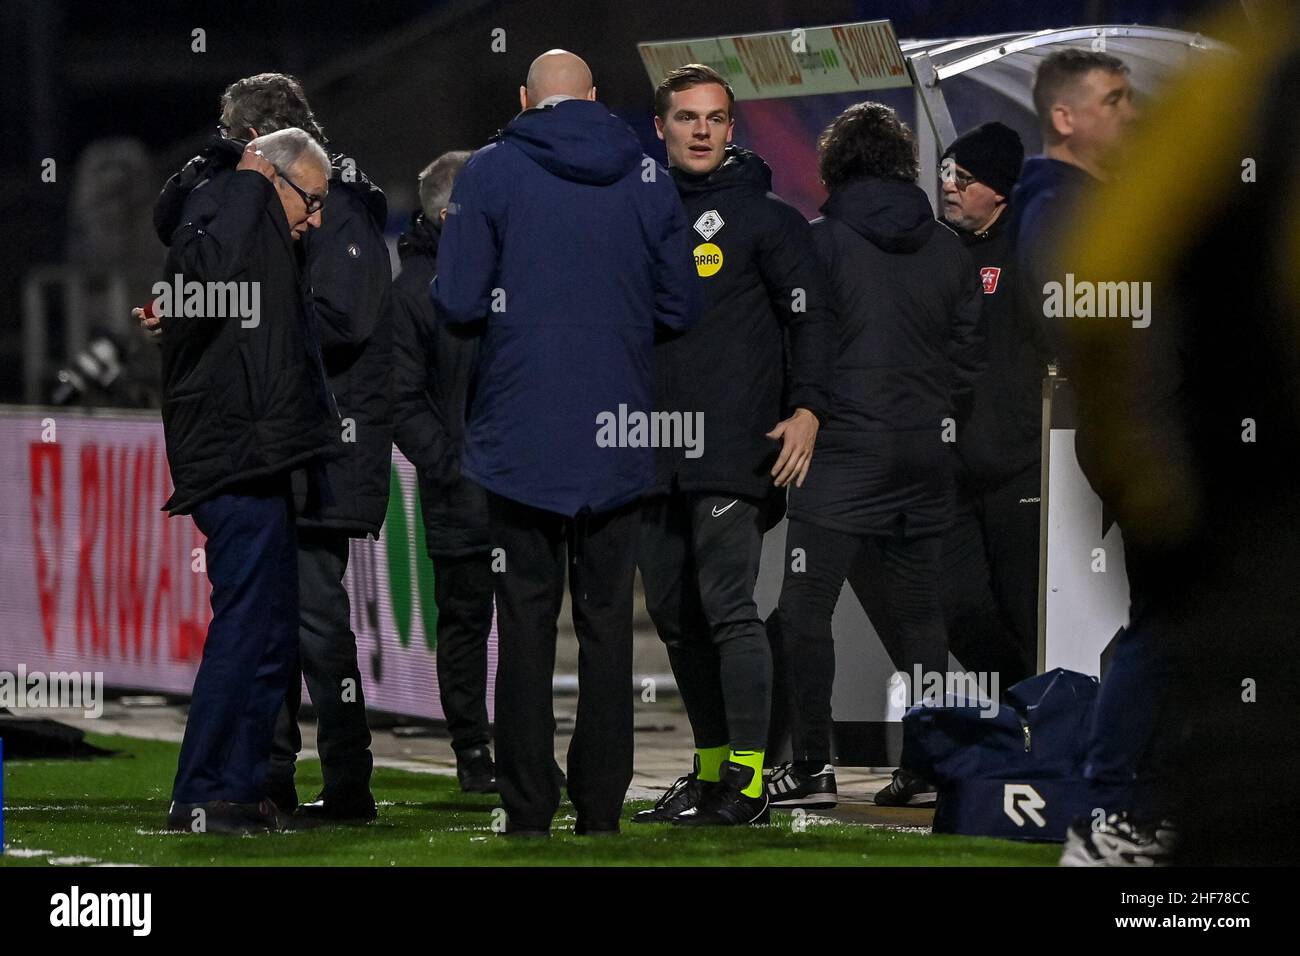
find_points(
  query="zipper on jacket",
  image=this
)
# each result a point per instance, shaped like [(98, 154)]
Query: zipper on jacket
[(313, 332)]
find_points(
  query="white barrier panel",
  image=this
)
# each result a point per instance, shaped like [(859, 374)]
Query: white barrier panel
[(1087, 584), (96, 578)]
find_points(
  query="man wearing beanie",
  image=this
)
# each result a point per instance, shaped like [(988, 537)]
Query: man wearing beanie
[(991, 553)]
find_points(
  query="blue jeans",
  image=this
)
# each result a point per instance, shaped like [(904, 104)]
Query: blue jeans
[(251, 648)]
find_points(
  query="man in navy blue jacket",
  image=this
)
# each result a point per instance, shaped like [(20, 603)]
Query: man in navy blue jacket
[(1085, 106), (568, 244)]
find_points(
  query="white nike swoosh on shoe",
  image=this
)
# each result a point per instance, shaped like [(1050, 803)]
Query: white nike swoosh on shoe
[(718, 512)]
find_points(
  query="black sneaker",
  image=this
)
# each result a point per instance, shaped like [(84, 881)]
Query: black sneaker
[(476, 771), (686, 793), (226, 818), (1118, 841), (330, 808), (726, 805), (907, 790), (788, 788)]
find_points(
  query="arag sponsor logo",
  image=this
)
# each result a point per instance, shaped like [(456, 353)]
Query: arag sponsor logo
[(708, 259)]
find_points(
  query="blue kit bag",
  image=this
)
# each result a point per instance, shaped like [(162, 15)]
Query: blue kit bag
[(1016, 772)]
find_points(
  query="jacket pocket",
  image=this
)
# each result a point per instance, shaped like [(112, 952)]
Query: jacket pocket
[(197, 439)]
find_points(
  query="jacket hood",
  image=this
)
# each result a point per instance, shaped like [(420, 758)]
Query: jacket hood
[(218, 153), (577, 140), (344, 176), (895, 216), (1041, 174), (741, 168), (420, 238), (221, 152)]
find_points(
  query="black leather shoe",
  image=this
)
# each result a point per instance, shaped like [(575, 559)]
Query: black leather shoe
[(359, 808), (226, 818), (475, 771)]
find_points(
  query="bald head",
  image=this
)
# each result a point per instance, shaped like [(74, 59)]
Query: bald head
[(556, 72)]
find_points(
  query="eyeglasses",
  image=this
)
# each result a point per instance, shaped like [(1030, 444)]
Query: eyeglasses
[(311, 200), (949, 173)]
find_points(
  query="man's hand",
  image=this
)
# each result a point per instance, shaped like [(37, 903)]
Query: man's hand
[(254, 160), (797, 434), (150, 322)]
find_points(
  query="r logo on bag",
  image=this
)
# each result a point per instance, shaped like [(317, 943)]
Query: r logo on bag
[(1017, 797), (989, 278)]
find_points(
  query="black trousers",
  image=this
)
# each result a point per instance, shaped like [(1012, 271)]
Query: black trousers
[(699, 556), (462, 586), (897, 581), (601, 554), (327, 652), (989, 584)]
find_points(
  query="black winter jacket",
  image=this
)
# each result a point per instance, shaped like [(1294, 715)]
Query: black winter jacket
[(1003, 435), (433, 370), (239, 402), (764, 286), (907, 301), (351, 282)]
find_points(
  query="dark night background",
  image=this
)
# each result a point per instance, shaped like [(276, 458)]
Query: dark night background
[(394, 82)]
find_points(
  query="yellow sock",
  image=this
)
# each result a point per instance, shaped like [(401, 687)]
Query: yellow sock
[(708, 762), (754, 760)]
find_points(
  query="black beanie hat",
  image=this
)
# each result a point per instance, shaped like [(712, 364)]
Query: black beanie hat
[(992, 153)]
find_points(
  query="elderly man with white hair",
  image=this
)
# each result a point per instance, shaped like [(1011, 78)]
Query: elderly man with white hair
[(244, 403)]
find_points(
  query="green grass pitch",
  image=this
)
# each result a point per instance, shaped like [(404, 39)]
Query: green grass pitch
[(113, 809)]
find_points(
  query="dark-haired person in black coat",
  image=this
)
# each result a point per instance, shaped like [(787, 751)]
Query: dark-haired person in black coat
[(874, 510)]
